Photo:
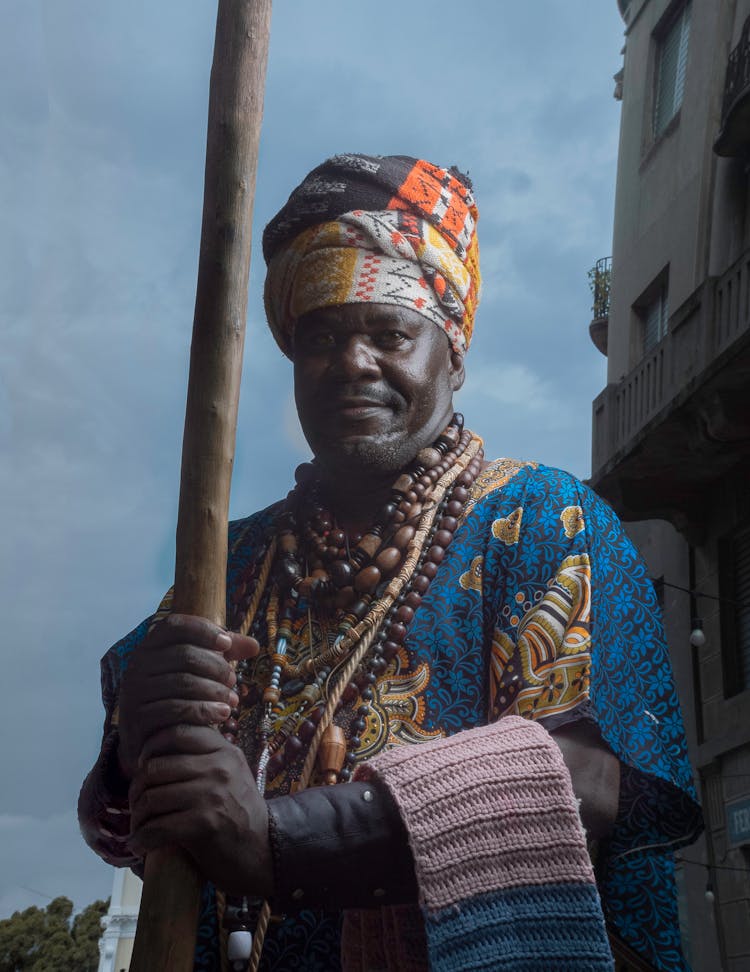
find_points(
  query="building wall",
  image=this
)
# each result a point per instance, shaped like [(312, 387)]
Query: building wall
[(679, 205), (116, 943), (662, 211)]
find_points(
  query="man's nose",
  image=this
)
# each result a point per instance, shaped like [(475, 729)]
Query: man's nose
[(356, 358)]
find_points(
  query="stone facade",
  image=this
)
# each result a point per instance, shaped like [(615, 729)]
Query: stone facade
[(671, 431)]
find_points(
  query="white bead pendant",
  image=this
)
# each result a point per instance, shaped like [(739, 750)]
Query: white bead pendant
[(240, 947)]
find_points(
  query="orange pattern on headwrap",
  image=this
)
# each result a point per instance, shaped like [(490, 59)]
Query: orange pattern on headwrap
[(414, 245)]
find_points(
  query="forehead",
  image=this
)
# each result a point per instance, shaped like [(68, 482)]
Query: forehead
[(351, 317)]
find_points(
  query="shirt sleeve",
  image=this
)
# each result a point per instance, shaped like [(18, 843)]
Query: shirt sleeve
[(577, 634)]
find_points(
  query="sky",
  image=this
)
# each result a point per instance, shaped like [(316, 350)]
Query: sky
[(102, 140)]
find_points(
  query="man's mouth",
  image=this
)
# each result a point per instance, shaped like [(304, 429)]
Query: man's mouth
[(357, 407)]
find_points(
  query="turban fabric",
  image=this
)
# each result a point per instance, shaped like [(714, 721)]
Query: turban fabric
[(370, 229)]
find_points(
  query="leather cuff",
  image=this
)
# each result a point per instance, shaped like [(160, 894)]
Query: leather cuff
[(341, 846)]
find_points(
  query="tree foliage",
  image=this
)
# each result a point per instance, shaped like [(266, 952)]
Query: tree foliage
[(51, 939)]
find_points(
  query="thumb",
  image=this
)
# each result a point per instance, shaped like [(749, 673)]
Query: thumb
[(237, 647)]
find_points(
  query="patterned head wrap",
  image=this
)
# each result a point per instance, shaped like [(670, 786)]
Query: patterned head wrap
[(389, 230)]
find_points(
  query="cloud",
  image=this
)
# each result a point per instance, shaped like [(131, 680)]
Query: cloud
[(42, 859), (101, 169), (510, 385)]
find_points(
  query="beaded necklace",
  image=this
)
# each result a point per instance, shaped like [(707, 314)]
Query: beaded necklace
[(369, 586)]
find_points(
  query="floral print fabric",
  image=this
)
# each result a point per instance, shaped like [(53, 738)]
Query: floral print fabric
[(541, 608)]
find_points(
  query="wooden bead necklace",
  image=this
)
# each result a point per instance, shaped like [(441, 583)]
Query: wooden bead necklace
[(372, 584)]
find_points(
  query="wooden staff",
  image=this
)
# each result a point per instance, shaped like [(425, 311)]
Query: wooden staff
[(168, 918)]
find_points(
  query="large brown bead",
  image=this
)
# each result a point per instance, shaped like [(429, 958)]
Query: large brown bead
[(436, 555), (448, 523), (342, 573), (402, 536), (332, 752), (390, 650), (293, 748), (429, 569), (404, 614), (413, 600), (460, 493), (428, 457), (442, 538), (338, 537), (367, 580), (420, 584), (454, 508), (397, 631), (306, 730), (388, 559), (402, 484), (350, 693)]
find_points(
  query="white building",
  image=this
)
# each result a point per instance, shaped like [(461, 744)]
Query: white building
[(116, 943)]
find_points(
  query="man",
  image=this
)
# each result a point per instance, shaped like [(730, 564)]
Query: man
[(392, 619)]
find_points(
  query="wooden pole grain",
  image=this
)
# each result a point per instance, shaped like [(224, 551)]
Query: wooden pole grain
[(168, 918)]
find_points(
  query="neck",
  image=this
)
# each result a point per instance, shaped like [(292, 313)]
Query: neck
[(355, 503)]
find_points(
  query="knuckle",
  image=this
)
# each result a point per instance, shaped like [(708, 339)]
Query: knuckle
[(207, 713)]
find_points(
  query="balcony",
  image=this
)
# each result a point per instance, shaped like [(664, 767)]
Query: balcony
[(681, 418), (734, 136), (600, 278)]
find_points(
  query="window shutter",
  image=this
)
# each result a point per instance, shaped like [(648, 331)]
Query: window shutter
[(671, 68)]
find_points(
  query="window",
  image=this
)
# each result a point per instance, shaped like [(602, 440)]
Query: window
[(734, 566), (652, 313), (655, 317), (671, 61)]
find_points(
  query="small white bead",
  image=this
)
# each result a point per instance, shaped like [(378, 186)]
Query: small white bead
[(298, 894), (239, 946), (367, 796)]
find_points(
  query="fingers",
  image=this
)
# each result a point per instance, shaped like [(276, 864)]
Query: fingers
[(154, 716), (153, 815), (182, 740), (179, 659), (189, 629), (242, 647), (185, 686)]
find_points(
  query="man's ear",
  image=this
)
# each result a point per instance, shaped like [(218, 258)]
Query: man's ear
[(457, 370)]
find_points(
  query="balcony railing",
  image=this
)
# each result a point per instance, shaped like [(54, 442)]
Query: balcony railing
[(600, 280), (734, 137), (628, 414)]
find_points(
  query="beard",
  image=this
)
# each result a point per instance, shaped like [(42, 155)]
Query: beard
[(368, 456)]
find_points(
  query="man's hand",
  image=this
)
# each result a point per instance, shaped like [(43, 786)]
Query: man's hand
[(179, 675), (195, 789), (595, 775)]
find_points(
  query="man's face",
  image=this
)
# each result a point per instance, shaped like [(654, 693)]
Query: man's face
[(373, 383)]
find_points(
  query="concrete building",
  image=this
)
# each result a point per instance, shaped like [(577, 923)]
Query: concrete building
[(116, 943), (671, 430)]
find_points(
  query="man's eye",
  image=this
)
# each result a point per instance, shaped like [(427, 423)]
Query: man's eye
[(392, 337), (316, 340)]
